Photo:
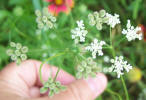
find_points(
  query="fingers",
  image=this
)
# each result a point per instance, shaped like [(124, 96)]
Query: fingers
[(82, 89), (22, 78)]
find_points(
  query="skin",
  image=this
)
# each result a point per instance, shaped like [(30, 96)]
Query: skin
[(22, 83)]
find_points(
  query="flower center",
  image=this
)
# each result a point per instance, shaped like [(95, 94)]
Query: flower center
[(58, 2)]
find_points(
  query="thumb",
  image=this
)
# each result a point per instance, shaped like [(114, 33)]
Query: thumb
[(82, 89)]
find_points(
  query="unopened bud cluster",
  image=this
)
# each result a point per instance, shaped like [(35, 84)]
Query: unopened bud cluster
[(17, 52), (54, 87), (97, 19), (44, 19), (87, 68)]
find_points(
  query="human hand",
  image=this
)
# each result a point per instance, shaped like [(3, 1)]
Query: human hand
[(23, 83)]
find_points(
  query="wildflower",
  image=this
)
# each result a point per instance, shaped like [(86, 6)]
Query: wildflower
[(87, 68), (54, 87), (143, 28), (79, 32), (112, 20), (17, 52), (96, 47), (119, 65), (57, 6), (97, 19), (45, 20), (131, 32), (135, 75)]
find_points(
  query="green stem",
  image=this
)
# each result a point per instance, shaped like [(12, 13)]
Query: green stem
[(113, 54), (40, 70), (125, 88), (114, 93), (110, 36), (57, 73)]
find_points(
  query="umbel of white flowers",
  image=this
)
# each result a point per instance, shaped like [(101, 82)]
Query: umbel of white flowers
[(79, 33), (54, 87), (131, 32), (119, 65), (101, 17), (87, 68), (17, 52), (45, 20), (96, 47)]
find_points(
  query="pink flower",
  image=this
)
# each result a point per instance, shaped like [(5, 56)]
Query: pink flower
[(57, 6)]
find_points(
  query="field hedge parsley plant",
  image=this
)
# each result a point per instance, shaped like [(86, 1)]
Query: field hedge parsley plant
[(86, 64)]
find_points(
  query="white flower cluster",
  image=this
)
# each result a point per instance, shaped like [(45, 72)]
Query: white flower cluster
[(54, 87), (17, 52), (98, 18), (44, 20), (79, 33), (112, 20), (87, 68), (119, 65), (131, 32), (96, 47)]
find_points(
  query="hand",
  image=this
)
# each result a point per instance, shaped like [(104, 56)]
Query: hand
[(23, 83)]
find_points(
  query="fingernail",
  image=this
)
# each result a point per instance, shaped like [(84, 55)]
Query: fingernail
[(97, 84)]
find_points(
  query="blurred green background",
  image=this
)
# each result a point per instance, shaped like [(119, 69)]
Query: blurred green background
[(17, 23)]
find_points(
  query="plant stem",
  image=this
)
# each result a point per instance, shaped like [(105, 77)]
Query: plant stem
[(125, 88), (40, 70), (110, 36), (113, 54), (57, 73), (114, 93)]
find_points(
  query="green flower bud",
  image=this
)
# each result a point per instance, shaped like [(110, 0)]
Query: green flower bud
[(9, 52), (14, 57), (43, 90), (99, 26), (17, 52), (38, 13), (52, 86), (90, 17), (46, 85), (44, 19), (105, 19), (23, 57), (50, 80), (56, 90), (96, 14), (45, 11), (58, 83), (24, 49), (102, 13), (83, 63), (92, 22), (38, 20), (18, 46), (49, 24), (12, 44), (63, 88), (88, 70), (40, 25), (80, 68), (53, 19)]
